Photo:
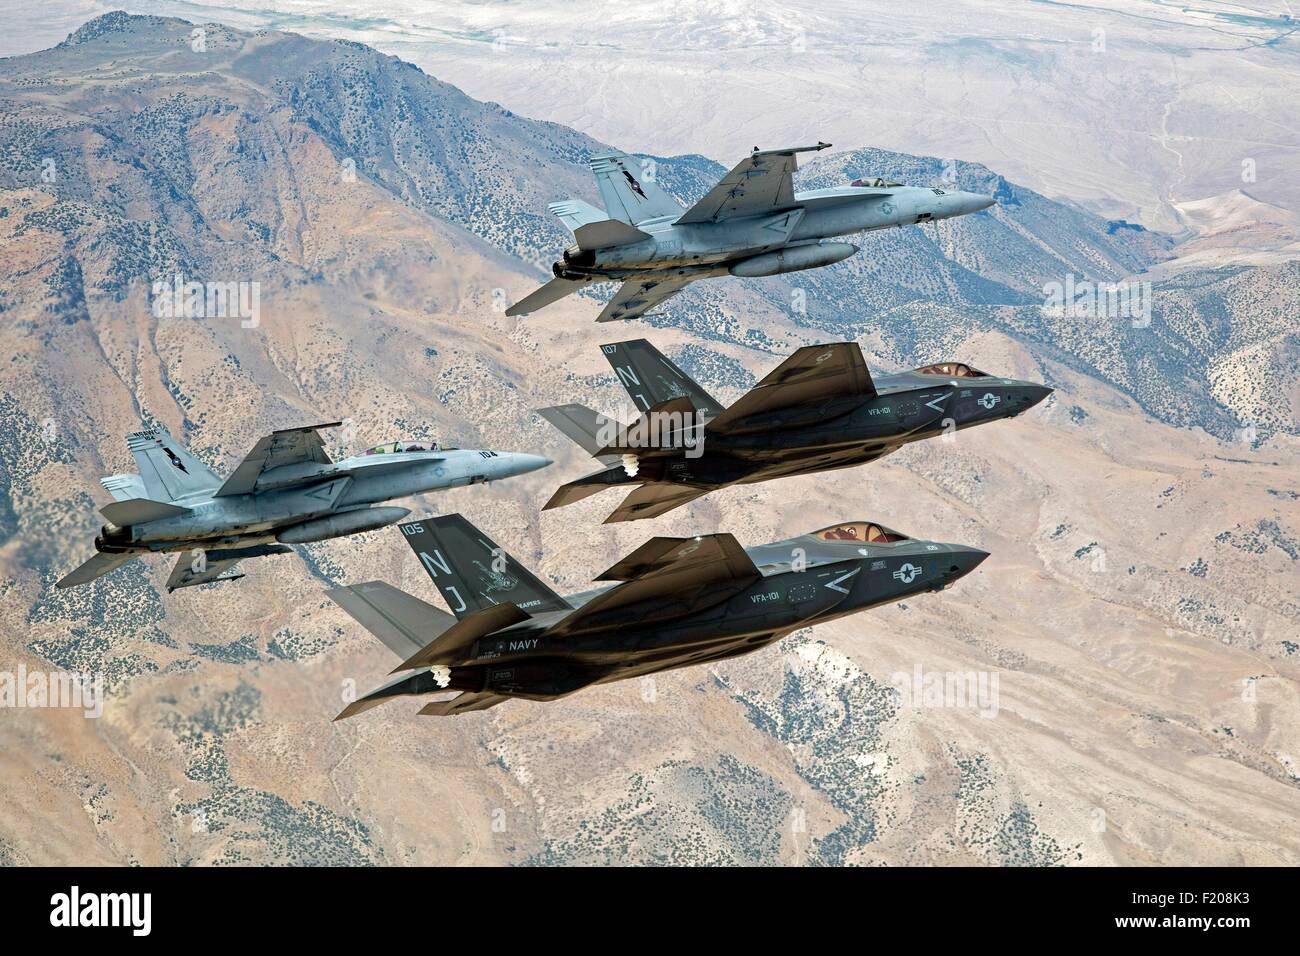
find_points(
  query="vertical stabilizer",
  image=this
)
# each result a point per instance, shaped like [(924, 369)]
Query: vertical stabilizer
[(168, 471), (471, 572), (651, 379), (629, 191)]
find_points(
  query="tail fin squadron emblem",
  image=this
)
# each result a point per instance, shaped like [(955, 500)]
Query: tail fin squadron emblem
[(176, 462), (492, 581), (636, 186)]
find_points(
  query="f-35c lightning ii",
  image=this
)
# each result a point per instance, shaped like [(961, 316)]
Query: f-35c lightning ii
[(286, 491), (752, 223), (818, 410), (676, 602)]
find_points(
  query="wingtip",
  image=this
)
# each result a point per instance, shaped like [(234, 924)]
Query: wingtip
[(333, 593), (354, 708)]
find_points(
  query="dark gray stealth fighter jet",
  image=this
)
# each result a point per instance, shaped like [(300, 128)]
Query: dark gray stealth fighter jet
[(676, 602), (818, 410)]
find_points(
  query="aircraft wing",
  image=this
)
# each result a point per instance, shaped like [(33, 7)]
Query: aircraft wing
[(813, 374), (652, 500), (461, 635), (288, 446), (720, 554), (761, 183), (667, 578), (462, 702), (636, 297)]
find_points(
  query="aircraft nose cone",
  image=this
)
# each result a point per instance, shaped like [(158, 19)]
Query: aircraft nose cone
[(526, 463), (960, 203), (962, 561), (973, 202), (1036, 393)]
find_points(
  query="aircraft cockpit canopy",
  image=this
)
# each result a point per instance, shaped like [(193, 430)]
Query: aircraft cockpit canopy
[(865, 532), (875, 182), (393, 447), (952, 370)]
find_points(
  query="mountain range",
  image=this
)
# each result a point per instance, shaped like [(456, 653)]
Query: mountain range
[(1139, 609)]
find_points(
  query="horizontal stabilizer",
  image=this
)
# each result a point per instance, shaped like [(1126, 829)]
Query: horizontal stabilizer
[(456, 641), (359, 707), (405, 685), (585, 487), (668, 426), (216, 566), (423, 683), (607, 234), (553, 291), (402, 621), (574, 213), (654, 499), (581, 425), (462, 704), (96, 567), (139, 511), (636, 297)]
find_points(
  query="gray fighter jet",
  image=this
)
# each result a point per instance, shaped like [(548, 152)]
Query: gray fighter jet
[(819, 409), (286, 491), (678, 602), (750, 224)]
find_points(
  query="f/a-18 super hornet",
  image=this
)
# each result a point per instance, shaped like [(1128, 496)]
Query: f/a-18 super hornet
[(676, 602), (286, 491), (819, 409), (752, 223)]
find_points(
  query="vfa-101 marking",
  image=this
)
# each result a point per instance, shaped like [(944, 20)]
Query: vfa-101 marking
[(675, 602), (819, 410)]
